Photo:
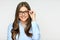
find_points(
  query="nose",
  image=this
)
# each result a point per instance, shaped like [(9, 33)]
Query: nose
[(23, 13)]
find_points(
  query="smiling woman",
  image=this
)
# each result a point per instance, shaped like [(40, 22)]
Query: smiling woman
[(24, 26)]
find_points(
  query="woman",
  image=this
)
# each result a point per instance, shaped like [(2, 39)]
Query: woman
[(24, 26)]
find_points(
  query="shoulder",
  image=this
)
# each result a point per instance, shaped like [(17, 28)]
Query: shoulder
[(10, 26), (9, 31), (34, 24), (35, 27)]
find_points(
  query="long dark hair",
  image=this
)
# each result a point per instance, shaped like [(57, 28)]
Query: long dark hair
[(15, 30)]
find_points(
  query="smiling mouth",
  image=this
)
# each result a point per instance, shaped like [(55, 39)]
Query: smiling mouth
[(23, 17)]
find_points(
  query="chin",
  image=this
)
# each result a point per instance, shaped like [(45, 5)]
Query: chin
[(23, 20)]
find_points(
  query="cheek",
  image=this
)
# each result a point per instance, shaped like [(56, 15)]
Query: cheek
[(27, 16), (19, 16)]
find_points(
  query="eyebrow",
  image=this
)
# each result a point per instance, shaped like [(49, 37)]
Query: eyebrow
[(26, 10)]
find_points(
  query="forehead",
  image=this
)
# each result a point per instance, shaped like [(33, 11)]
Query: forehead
[(23, 8)]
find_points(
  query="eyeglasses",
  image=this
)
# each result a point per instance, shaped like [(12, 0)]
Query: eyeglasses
[(25, 12)]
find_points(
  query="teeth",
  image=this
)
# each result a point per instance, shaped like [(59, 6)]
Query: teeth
[(23, 17)]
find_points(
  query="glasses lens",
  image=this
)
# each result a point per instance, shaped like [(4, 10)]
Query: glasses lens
[(26, 11)]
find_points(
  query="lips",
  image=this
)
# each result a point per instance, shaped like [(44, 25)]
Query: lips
[(23, 17)]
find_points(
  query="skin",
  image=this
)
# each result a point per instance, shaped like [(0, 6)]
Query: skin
[(24, 16)]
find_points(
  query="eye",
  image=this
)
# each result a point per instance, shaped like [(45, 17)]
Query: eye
[(20, 11), (26, 11)]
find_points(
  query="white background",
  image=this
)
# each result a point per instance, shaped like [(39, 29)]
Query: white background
[(47, 15)]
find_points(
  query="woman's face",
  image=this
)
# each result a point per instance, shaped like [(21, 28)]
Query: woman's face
[(23, 14)]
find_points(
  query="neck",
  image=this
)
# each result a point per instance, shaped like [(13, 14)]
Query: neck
[(23, 23)]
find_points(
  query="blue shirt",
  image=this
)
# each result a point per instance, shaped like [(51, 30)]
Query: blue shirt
[(34, 30)]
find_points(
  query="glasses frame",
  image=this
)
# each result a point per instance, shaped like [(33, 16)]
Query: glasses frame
[(25, 12)]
